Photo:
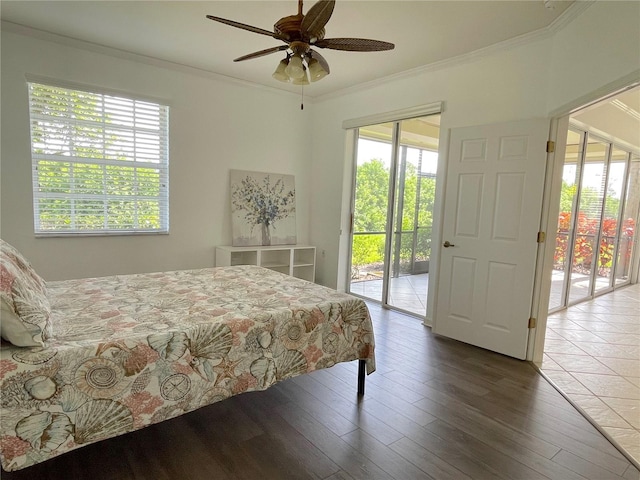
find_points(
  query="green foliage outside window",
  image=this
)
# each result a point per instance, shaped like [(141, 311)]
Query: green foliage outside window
[(370, 214), (98, 162)]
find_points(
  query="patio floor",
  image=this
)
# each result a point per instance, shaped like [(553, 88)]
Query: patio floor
[(406, 292)]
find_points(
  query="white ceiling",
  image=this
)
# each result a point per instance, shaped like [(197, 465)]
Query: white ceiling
[(617, 117), (424, 32)]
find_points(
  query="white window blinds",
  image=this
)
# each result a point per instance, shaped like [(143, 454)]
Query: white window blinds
[(100, 162)]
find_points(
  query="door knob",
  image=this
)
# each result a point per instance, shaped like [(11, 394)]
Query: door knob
[(447, 244)]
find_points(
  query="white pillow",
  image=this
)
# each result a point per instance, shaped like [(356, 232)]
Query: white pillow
[(25, 308), (15, 330)]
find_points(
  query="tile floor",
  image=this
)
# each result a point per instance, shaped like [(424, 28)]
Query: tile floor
[(406, 292), (592, 353)]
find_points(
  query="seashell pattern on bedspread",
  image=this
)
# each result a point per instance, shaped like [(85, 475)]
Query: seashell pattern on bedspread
[(130, 351)]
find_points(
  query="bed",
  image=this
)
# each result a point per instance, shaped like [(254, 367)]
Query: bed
[(107, 356)]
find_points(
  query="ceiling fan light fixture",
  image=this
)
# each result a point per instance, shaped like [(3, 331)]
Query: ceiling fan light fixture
[(301, 81), (280, 73), (301, 35), (295, 69), (316, 71)]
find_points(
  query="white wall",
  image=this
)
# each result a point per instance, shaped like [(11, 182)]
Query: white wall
[(215, 125), (596, 49)]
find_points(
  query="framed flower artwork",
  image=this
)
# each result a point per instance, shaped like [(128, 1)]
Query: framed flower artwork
[(263, 208)]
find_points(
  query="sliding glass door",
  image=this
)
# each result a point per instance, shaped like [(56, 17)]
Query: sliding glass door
[(596, 225), (394, 192), (628, 228), (610, 226), (583, 274), (374, 152)]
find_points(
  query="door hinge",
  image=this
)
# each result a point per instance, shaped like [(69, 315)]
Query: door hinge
[(351, 224), (541, 237), (551, 146), (532, 322)]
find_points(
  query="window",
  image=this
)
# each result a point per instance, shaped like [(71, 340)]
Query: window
[(100, 162)]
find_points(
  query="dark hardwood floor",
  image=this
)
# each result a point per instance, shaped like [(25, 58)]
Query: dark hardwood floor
[(434, 409)]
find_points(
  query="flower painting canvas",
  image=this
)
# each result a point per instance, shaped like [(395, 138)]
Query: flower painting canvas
[(263, 208)]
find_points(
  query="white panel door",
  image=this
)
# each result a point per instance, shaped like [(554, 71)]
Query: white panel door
[(493, 201)]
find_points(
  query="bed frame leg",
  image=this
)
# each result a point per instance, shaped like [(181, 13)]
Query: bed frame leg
[(362, 364)]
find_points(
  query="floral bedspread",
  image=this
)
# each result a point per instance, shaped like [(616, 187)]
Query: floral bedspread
[(130, 351)]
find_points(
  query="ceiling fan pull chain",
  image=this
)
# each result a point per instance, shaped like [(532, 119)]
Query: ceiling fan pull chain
[(302, 98)]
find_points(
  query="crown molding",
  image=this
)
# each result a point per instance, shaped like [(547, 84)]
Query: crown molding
[(571, 13), (577, 8), (135, 57), (626, 109)]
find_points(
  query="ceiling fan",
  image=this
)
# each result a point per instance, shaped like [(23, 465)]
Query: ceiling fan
[(300, 33)]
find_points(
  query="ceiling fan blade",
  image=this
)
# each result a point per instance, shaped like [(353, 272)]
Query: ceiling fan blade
[(316, 18), (321, 60), (243, 26), (261, 53), (354, 44)]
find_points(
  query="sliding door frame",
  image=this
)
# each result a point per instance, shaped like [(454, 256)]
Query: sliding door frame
[(353, 126), (391, 203)]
